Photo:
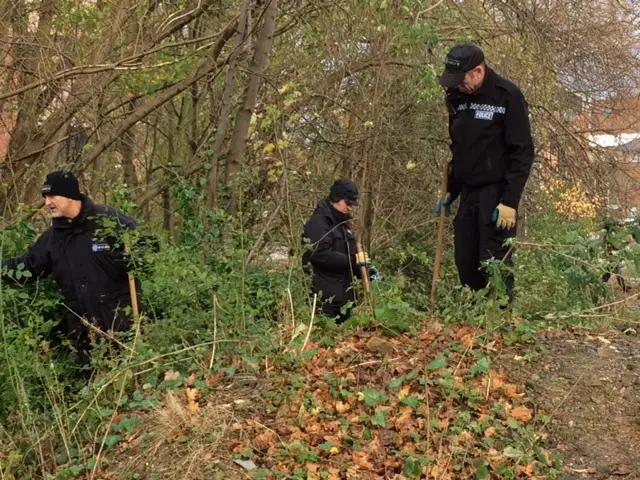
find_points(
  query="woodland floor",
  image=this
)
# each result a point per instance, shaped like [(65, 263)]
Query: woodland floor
[(590, 383), (565, 404)]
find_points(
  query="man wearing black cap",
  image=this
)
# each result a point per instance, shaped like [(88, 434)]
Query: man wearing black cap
[(83, 251), (332, 252), (492, 153)]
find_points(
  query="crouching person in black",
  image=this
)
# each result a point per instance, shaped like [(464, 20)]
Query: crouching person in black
[(332, 260), (83, 251)]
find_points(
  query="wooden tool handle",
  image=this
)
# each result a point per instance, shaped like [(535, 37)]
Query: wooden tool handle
[(440, 239)]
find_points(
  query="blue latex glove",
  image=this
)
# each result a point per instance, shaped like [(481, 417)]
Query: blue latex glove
[(447, 205), (374, 274)]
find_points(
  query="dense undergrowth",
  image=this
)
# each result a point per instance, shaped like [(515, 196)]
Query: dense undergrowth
[(210, 319)]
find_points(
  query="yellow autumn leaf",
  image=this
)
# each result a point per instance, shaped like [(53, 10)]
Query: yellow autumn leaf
[(404, 392), (268, 148)]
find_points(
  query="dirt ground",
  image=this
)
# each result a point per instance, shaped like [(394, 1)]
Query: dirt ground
[(590, 385)]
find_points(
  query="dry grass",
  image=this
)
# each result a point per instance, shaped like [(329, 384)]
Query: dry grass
[(179, 443)]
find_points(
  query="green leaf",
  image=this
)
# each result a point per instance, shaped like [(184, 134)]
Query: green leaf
[(412, 402), (482, 471), (513, 423), (77, 469), (129, 424), (326, 446), (380, 419), (482, 366), (396, 382), (112, 440), (328, 342), (437, 364), (374, 397), (412, 468), (105, 412)]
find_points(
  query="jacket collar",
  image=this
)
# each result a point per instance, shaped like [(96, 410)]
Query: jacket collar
[(85, 208), (329, 211)]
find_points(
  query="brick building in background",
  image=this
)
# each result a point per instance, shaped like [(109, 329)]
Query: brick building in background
[(614, 126)]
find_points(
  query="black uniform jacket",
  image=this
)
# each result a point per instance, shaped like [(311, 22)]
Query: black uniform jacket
[(491, 139), (87, 261), (331, 254)]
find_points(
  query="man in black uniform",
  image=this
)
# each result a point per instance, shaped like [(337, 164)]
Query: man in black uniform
[(492, 153), (332, 254), (83, 251)]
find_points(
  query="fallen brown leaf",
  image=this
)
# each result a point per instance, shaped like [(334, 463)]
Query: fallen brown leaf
[(171, 375), (522, 414), (405, 416), (265, 440), (362, 461), (511, 391), (490, 432), (192, 404)]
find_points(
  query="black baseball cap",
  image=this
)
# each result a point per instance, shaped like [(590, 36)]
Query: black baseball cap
[(461, 58), (344, 189)]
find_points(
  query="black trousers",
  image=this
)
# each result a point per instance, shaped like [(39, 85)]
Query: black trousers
[(109, 316), (332, 310), (477, 238)]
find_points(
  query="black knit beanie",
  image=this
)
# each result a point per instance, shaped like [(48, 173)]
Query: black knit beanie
[(62, 183)]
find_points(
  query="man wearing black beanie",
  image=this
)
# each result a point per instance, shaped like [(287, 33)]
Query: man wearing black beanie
[(331, 259), (84, 252)]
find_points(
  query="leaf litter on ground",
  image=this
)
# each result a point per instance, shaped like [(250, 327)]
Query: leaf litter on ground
[(430, 406)]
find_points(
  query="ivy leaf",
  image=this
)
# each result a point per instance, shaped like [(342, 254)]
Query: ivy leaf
[(412, 468), (326, 446), (513, 423), (412, 402), (482, 471), (437, 364), (379, 419), (374, 397), (395, 383), (129, 424), (112, 440), (482, 366)]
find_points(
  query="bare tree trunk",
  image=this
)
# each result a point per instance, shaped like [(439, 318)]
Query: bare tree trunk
[(166, 210), (127, 143), (243, 117), (370, 147), (225, 110)]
